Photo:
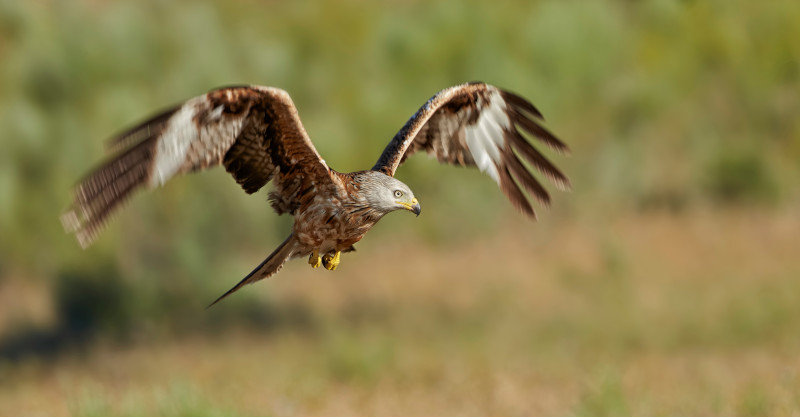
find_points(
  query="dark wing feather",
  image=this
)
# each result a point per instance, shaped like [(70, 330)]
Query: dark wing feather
[(253, 131), (480, 125)]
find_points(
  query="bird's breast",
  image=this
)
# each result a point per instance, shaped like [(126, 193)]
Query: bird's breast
[(329, 225)]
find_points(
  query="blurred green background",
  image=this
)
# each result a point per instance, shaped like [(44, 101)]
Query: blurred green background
[(673, 259)]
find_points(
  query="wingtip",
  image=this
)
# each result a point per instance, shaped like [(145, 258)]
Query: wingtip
[(69, 221), (563, 184), (521, 103), (532, 215), (72, 224)]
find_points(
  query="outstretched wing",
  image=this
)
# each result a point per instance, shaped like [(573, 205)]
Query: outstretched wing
[(477, 124), (253, 131)]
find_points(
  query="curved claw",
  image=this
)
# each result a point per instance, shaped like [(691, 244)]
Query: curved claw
[(314, 259), (330, 262)]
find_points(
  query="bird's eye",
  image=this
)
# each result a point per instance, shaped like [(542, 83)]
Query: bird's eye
[(398, 193)]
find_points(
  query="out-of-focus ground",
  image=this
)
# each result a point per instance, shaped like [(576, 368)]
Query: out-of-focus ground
[(666, 283), (646, 315)]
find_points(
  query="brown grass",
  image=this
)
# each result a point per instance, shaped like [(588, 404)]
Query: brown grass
[(650, 314)]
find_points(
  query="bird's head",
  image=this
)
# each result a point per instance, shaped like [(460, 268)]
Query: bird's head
[(386, 194)]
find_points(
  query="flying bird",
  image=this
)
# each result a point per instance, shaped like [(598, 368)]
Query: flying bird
[(256, 134)]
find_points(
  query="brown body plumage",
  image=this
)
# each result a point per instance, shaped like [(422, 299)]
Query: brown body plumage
[(256, 134)]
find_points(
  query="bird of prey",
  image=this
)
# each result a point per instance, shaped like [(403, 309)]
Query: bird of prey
[(256, 133)]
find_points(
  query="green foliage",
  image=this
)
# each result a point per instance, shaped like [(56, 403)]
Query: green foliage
[(93, 301), (754, 403), (741, 178), (353, 359), (180, 400), (675, 83), (605, 400)]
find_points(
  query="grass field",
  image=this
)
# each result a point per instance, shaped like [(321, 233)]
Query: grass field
[(665, 284), (653, 314)]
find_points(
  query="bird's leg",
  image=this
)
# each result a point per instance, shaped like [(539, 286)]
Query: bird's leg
[(314, 259), (331, 261)]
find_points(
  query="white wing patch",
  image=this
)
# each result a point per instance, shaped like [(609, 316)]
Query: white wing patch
[(174, 143), (486, 137), (184, 143)]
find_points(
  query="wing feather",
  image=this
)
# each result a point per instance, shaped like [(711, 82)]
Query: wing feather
[(253, 131), (524, 177), (529, 125), (480, 125), (514, 194), (532, 155), (149, 128)]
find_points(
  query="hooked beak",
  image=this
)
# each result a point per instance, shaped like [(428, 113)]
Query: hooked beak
[(413, 206)]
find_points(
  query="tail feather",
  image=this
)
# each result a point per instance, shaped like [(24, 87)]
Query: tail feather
[(270, 266)]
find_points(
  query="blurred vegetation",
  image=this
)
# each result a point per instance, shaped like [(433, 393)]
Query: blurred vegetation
[(666, 105), (669, 106)]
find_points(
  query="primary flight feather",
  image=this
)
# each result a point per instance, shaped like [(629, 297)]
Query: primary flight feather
[(256, 133)]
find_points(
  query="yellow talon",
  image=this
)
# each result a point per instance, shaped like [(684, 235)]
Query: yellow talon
[(331, 262), (314, 259)]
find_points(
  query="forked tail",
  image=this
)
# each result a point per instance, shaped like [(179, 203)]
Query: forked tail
[(271, 265)]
